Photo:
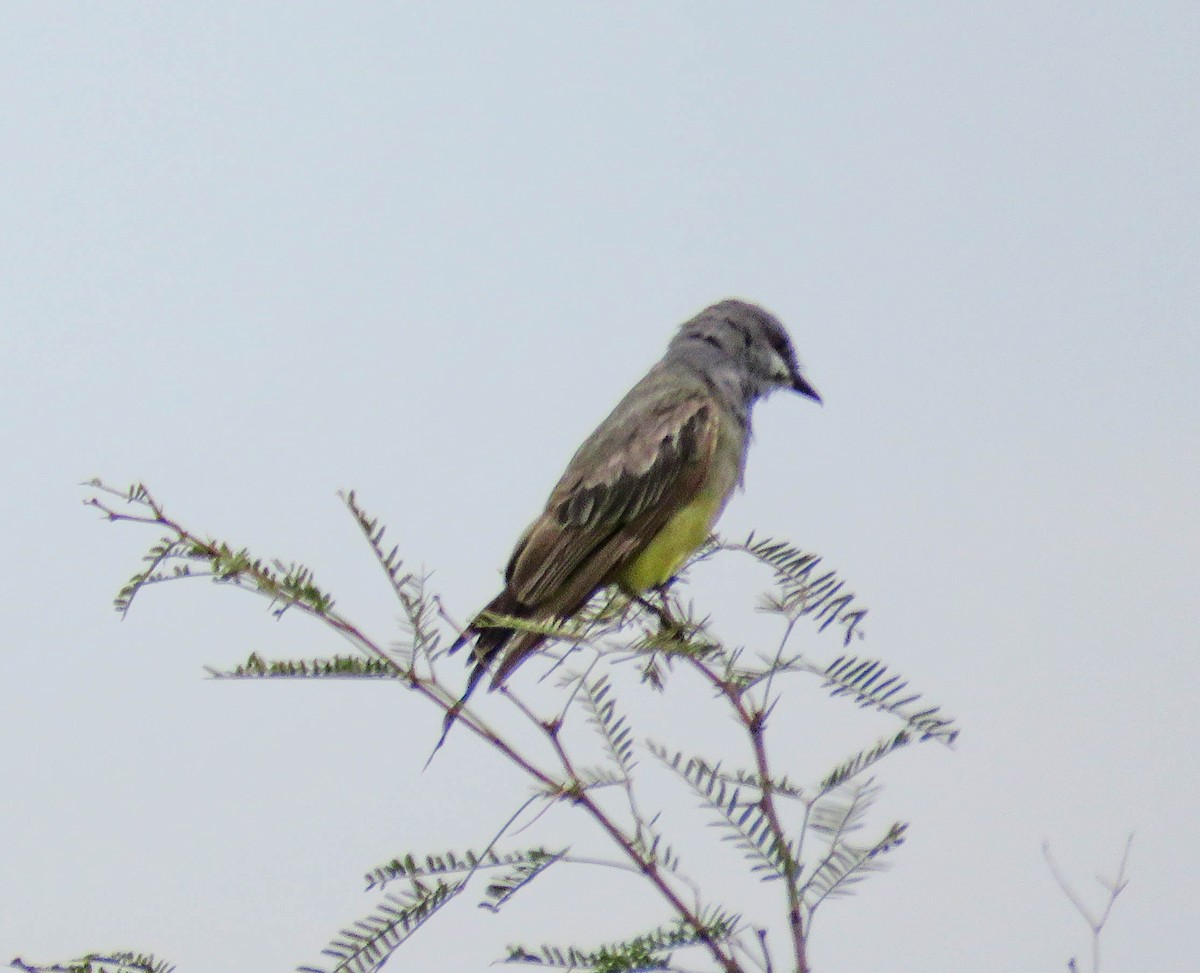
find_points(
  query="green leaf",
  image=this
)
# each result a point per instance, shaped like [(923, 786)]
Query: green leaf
[(118, 961), (748, 826), (871, 686), (504, 887), (365, 946), (805, 589), (646, 951), (410, 866)]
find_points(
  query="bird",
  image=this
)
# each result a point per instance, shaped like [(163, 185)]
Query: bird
[(643, 491)]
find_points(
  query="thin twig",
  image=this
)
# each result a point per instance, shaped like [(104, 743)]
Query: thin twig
[(629, 846), (1115, 887), (787, 634), (752, 721)]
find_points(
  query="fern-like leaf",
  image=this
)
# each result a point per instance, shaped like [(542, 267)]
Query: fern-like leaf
[(613, 728), (420, 609), (118, 961), (365, 946), (411, 867), (748, 826), (846, 865), (643, 952), (837, 814), (662, 854), (337, 667), (518, 876), (676, 632), (834, 816), (861, 761), (572, 629), (806, 589), (868, 682), (164, 550), (779, 786), (390, 561), (606, 776)]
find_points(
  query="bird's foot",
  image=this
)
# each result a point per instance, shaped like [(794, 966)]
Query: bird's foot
[(670, 628)]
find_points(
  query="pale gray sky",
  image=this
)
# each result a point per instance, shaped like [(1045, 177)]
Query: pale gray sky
[(255, 253)]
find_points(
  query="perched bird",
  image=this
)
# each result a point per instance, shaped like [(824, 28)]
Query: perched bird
[(644, 490)]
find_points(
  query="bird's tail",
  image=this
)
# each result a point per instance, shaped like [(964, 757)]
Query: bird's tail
[(489, 645), (473, 679), (490, 642)]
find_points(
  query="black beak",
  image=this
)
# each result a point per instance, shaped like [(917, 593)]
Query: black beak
[(802, 386)]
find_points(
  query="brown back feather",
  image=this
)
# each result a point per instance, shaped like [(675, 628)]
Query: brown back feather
[(598, 520)]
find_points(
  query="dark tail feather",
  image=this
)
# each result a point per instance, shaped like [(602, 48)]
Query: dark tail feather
[(452, 713), (519, 647), (489, 643), (502, 649)]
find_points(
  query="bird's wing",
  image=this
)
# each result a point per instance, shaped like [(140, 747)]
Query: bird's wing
[(616, 495)]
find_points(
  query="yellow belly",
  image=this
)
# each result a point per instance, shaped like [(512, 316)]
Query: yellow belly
[(683, 533)]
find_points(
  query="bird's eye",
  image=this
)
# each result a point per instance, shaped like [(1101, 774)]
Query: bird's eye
[(714, 341)]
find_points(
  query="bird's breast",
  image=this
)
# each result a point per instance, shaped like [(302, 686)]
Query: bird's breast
[(689, 526)]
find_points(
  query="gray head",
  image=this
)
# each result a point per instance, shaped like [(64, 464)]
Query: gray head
[(743, 348)]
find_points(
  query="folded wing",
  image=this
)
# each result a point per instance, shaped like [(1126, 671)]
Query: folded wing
[(619, 491)]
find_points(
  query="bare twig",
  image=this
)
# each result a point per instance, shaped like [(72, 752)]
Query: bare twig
[(1096, 921)]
